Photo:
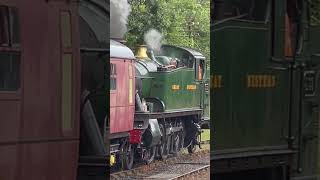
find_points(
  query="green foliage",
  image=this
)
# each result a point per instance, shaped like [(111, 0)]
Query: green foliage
[(315, 11), (182, 22)]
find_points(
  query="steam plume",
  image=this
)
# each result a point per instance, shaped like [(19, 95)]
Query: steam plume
[(153, 39), (119, 12)]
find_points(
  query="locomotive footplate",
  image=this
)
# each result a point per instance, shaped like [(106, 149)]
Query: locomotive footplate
[(141, 119), (249, 160), (170, 113)]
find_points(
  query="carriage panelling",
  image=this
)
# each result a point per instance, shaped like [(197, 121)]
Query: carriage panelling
[(121, 110), (33, 144)]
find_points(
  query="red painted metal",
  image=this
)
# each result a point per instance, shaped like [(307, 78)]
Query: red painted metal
[(136, 136), (121, 110)]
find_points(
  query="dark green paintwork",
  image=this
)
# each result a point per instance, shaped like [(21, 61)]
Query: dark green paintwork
[(207, 95), (159, 85), (244, 117), (259, 117)]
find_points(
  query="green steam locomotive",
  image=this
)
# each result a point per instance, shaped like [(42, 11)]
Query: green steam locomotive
[(170, 100)]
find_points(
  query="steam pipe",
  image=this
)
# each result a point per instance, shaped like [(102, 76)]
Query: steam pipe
[(153, 57)]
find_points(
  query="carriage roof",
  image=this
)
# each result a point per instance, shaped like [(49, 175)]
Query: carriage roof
[(118, 50)]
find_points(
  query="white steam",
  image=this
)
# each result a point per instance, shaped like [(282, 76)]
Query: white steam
[(153, 39), (119, 12)]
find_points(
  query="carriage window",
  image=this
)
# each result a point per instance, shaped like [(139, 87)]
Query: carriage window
[(9, 71), (113, 77), (254, 10), (15, 39), (4, 26), (10, 55)]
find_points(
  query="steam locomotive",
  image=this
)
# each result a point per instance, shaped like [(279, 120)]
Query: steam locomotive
[(157, 102), (265, 86)]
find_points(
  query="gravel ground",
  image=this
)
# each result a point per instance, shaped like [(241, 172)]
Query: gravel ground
[(173, 167)]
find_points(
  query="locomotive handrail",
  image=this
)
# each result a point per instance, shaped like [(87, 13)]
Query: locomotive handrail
[(230, 19), (281, 61), (316, 55), (144, 77), (237, 18)]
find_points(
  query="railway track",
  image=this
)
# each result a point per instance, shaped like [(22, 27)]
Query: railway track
[(185, 166), (195, 174)]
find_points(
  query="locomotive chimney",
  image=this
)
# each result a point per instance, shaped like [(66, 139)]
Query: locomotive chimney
[(141, 52)]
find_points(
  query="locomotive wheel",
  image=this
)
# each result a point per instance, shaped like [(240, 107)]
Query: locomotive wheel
[(181, 134), (176, 144), (193, 146), (169, 140), (127, 156), (162, 148), (151, 154)]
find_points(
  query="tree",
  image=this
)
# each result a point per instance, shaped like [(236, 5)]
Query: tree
[(182, 22), (315, 11)]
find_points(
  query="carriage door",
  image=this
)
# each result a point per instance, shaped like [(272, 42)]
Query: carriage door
[(308, 161)]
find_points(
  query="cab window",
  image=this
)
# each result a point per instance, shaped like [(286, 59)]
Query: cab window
[(254, 10), (199, 69)]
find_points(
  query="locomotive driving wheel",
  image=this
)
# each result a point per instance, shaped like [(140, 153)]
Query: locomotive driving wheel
[(163, 149), (127, 157), (181, 134), (176, 144), (151, 152), (193, 145)]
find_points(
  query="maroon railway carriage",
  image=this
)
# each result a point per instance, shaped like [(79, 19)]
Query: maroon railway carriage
[(51, 55), (122, 98)]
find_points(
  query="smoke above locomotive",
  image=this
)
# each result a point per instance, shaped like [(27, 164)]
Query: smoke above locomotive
[(119, 12), (153, 39)]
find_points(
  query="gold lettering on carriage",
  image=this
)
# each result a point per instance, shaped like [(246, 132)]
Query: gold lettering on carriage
[(261, 81), (216, 81)]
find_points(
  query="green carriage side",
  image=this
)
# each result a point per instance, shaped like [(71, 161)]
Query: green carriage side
[(265, 100)]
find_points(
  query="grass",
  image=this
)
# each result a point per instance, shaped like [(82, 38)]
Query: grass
[(205, 135)]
